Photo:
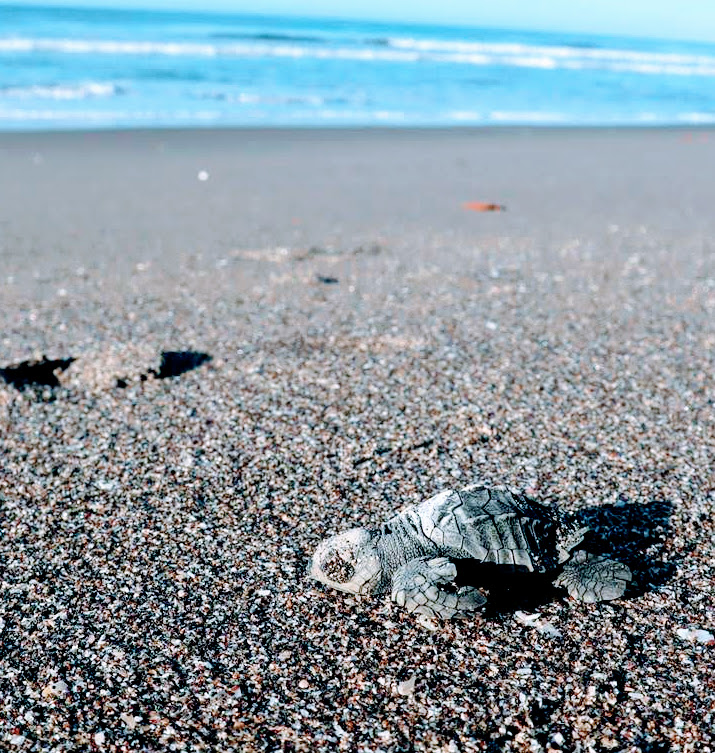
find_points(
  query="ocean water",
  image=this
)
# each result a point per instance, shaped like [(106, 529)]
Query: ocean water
[(71, 69)]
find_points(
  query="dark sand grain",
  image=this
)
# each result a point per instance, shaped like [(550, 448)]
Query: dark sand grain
[(370, 343)]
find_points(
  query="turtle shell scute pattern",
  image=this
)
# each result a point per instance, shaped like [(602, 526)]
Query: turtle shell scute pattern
[(492, 526)]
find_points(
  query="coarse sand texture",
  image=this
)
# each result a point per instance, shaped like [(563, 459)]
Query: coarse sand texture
[(204, 378)]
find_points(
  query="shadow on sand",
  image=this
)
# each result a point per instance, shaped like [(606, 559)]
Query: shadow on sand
[(41, 373), (630, 533), (177, 362)]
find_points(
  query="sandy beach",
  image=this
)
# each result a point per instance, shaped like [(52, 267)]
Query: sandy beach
[(342, 337)]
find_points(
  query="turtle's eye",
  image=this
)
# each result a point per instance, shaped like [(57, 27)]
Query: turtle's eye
[(337, 569)]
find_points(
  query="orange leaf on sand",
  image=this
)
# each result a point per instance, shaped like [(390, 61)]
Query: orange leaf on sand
[(481, 206)]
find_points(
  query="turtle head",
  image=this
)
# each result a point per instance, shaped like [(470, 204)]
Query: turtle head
[(348, 562)]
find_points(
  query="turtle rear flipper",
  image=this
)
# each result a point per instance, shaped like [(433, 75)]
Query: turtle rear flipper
[(592, 578), (416, 586)]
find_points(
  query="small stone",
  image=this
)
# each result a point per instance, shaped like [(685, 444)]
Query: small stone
[(695, 635), (407, 687), (106, 485), (427, 623), (99, 738), (55, 689), (525, 618), (303, 684), (549, 630)]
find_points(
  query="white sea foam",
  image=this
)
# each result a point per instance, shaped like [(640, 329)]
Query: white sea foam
[(31, 115), (84, 90), (560, 56), (527, 116), (558, 51), (464, 116), (400, 50), (35, 116), (697, 118), (107, 47), (196, 49)]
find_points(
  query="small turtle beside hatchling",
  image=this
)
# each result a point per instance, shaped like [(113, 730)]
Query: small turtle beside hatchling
[(412, 554)]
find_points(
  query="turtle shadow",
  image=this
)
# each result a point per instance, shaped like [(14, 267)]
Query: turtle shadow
[(634, 534)]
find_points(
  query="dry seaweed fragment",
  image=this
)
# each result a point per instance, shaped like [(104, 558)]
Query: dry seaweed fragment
[(482, 206)]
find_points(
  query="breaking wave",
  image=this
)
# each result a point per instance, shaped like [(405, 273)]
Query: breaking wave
[(397, 49), (85, 90), (108, 69)]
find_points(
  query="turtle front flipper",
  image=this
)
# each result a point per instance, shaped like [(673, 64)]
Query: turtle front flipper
[(416, 586), (592, 578)]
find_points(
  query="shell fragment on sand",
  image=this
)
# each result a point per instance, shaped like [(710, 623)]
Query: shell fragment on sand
[(696, 635)]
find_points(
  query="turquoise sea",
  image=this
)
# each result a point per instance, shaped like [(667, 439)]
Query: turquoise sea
[(71, 69)]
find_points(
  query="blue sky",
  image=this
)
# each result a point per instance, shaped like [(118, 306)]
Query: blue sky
[(687, 19)]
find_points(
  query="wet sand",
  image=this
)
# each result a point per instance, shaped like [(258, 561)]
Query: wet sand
[(341, 337)]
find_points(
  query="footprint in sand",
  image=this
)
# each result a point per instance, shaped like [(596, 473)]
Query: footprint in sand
[(113, 368), (43, 373)]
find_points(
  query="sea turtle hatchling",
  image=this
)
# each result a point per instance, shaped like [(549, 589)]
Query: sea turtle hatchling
[(412, 554)]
